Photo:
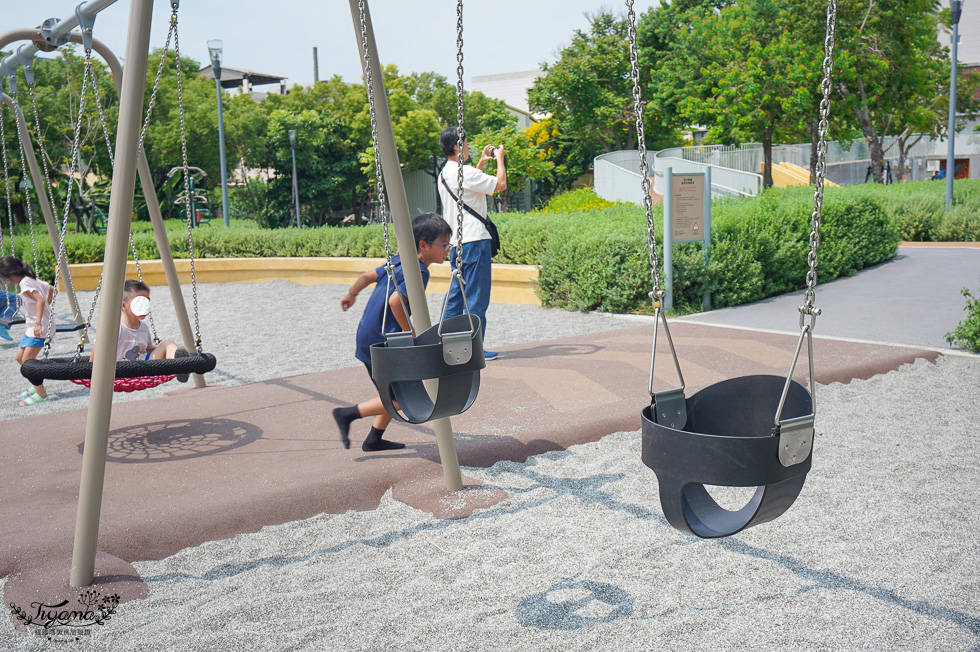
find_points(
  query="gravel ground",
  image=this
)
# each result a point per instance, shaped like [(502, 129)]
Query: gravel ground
[(879, 552), (242, 325)]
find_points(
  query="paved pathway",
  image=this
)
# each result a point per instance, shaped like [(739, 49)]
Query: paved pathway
[(912, 299)]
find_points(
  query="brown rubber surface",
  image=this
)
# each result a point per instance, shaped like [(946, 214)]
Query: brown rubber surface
[(200, 465)]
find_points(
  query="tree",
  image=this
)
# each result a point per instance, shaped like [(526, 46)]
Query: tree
[(326, 163), (588, 90), (564, 155), (57, 91), (748, 71), (524, 161), (658, 33), (889, 69)]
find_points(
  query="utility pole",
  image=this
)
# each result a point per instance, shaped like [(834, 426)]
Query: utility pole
[(292, 146), (956, 8), (214, 48)]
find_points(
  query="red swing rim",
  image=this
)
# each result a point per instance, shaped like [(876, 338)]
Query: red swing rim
[(132, 384)]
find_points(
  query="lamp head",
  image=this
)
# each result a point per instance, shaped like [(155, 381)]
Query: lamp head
[(956, 10), (292, 138), (214, 49)]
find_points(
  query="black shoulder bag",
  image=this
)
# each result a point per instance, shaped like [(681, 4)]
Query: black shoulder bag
[(486, 221)]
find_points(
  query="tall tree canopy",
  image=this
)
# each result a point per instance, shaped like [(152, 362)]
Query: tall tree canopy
[(588, 91), (749, 71), (891, 69)]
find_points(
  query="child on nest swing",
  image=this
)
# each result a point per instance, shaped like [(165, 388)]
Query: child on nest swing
[(35, 297), (135, 342), (431, 234)]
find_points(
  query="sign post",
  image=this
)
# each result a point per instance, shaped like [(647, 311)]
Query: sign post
[(687, 218)]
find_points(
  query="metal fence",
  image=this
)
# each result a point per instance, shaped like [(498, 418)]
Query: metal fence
[(735, 169)]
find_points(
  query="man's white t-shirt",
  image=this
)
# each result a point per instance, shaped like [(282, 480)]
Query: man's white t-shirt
[(29, 305), (477, 186), (133, 342)]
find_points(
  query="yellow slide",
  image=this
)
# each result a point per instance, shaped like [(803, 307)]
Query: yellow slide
[(788, 174)]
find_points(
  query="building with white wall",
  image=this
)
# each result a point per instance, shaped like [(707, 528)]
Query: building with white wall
[(511, 87)]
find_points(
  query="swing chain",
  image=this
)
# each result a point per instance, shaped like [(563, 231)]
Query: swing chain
[(821, 167), (379, 175), (6, 183), (89, 70), (6, 186), (369, 85), (187, 189), (23, 172), (40, 142), (72, 167), (156, 82), (460, 137), (98, 103), (657, 294)]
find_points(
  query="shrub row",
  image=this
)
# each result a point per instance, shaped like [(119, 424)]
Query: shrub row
[(599, 260), (209, 242), (594, 255), (919, 209)]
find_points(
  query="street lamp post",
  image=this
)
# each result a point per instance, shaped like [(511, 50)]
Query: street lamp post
[(956, 9), (292, 146), (214, 48)]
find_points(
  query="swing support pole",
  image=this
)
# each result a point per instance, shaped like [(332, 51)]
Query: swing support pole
[(400, 216), (117, 242)]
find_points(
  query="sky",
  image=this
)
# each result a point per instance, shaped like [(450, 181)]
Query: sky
[(277, 37)]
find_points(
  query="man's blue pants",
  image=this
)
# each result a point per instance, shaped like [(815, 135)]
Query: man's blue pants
[(476, 276)]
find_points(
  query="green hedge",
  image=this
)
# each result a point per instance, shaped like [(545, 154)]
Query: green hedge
[(598, 260), (594, 255), (919, 208), (243, 240)]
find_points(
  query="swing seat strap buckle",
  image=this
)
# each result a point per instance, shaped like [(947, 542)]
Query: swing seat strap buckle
[(402, 338), (795, 440), (457, 348)]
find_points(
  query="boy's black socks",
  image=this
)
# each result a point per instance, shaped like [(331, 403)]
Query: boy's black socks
[(343, 416), (374, 442)]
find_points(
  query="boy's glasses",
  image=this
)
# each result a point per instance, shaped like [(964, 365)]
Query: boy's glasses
[(445, 247)]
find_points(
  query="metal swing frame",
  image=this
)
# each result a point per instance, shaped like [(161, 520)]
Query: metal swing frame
[(129, 376), (726, 434), (120, 213)]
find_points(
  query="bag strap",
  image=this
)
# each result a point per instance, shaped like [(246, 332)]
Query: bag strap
[(485, 221)]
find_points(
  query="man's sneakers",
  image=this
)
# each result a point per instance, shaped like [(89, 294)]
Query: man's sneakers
[(490, 355), (5, 333), (181, 353)]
